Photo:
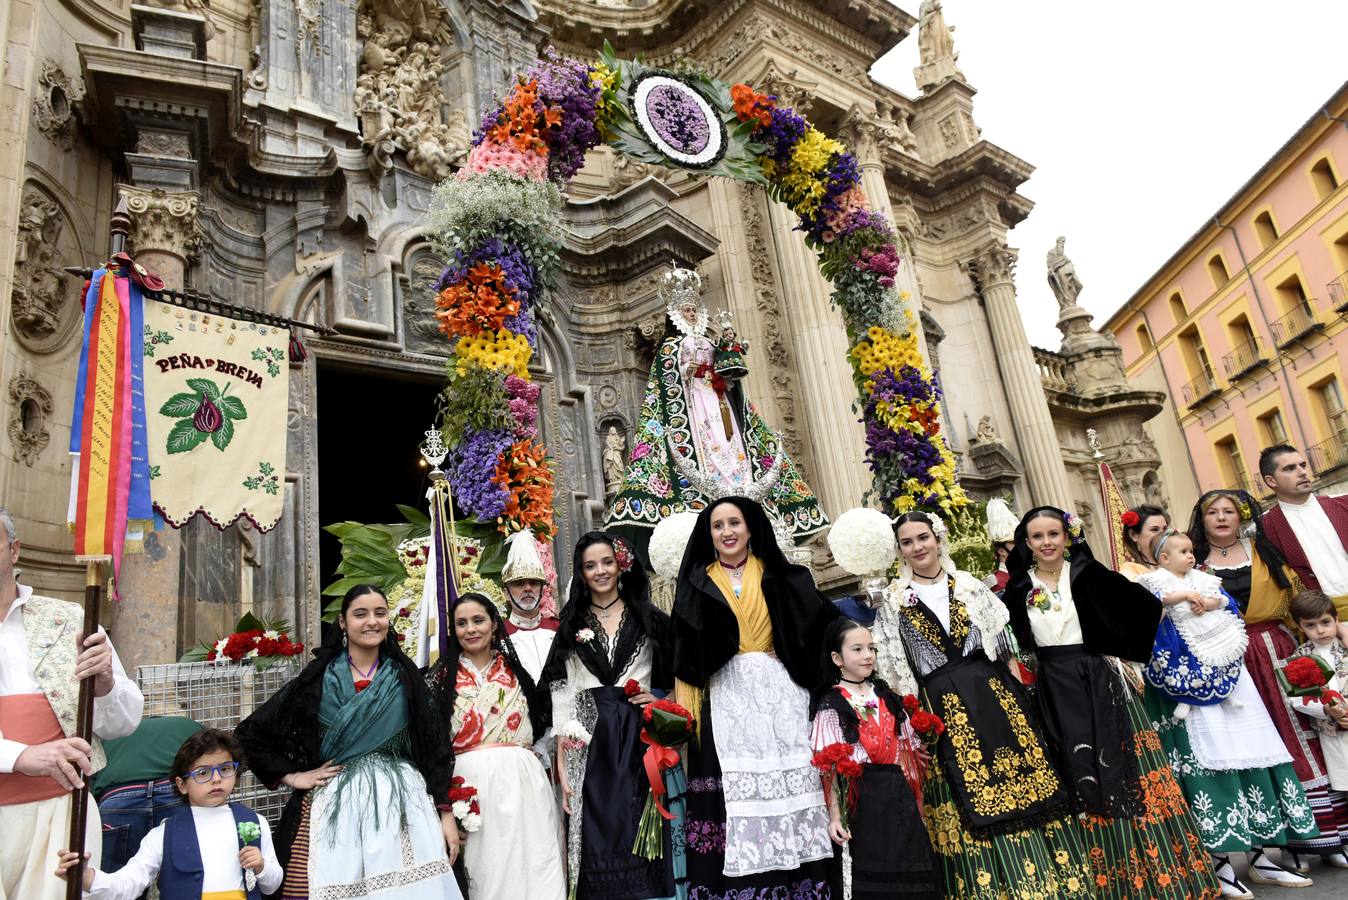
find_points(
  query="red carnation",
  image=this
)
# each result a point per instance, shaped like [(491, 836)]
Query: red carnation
[(849, 768), (1302, 672), (910, 702), (1131, 519), (632, 687)]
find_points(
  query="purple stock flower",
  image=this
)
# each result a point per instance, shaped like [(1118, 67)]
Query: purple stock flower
[(472, 467)]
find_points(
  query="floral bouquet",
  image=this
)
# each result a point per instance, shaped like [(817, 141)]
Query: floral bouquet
[(250, 834), (1038, 599), (1306, 677), (862, 542), (463, 803), (667, 726), (265, 643), (835, 760), (927, 726)]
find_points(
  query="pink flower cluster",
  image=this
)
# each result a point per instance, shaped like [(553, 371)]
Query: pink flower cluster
[(523, 405), (489, 156), (883, 262)]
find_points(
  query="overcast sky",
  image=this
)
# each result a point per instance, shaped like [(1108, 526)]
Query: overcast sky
[(1141, 119)]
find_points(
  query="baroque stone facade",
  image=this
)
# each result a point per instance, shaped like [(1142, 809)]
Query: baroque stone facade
[(280, 154)]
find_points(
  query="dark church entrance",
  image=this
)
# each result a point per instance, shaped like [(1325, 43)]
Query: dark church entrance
[(370, 424)]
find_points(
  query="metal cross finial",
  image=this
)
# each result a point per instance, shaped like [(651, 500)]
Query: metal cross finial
[(1093, 439), (434, 451)]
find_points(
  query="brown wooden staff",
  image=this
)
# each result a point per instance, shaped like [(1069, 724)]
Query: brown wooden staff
[(94, 579)]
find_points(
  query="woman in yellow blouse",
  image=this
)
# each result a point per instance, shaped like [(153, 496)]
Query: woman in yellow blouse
[(748, 645)]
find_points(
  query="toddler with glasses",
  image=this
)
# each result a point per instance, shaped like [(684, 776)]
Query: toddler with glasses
[(214, 848)]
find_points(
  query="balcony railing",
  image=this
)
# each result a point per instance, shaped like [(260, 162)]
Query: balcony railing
[(1244, 358), (1054, 372), (1296, 324), (1330, 454), (1200, 389), (1338, 293)]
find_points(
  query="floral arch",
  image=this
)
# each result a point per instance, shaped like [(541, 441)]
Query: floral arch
[(497, 222)]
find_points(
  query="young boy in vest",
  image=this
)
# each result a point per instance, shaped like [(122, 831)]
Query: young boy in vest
[(212, 850)]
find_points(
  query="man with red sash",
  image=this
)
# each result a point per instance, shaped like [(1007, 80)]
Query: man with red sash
[(40, 759), (1310, 532)]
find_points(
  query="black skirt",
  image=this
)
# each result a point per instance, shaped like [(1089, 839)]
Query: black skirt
[(1086, 717), (993, 752), (614, 792), (891, 852)]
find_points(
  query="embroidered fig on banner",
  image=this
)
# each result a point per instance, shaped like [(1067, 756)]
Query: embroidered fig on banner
[(205, 413)]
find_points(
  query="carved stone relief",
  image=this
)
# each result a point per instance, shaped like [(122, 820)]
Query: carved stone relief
[(30, 406), (164, 220), (54, 101), (421, 328), (42, 309), (399, 97)]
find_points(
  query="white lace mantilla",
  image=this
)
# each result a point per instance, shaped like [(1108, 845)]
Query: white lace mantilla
[(774, 800), (1216, 637), (987, 615)]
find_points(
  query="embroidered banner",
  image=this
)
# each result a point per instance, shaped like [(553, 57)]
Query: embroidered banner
[(217, 393)]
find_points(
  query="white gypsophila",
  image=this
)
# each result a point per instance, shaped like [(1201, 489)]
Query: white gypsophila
[(668, 542), (862, 541)]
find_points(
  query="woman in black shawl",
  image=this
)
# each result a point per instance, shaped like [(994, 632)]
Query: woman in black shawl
[(1081, 620), (748, 638), (611, 657), (352, 733)]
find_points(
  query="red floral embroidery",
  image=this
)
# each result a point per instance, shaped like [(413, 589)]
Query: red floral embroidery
[(513, 720)]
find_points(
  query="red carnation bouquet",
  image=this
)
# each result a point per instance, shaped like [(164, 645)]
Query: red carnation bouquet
[(927, 726), (265, 643), (667, 726), (463, 803), (835, 760), (1306, 677), (632, 687)]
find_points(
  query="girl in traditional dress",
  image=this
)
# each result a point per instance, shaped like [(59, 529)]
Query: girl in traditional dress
[(997, 811), (354, 737), (1084, 623), (748, 640), (613, 648), (887, 842), (1229, 542), (493, 711), (1141, 524)]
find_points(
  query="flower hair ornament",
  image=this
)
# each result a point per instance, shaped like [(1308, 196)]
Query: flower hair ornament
[(623, 554), (942, 533), (1073, 523), (1130, 519)]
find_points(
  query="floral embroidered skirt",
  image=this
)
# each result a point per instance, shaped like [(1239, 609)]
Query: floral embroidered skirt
[(1158, 854), (1234, 809)]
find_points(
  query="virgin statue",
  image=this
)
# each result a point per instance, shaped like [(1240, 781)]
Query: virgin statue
[(699, 438)]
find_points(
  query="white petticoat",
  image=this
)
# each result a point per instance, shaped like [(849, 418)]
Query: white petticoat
[(774, 800), (1236, 733)]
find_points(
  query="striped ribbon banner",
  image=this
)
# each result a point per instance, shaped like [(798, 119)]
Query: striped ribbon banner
[(101, 426)]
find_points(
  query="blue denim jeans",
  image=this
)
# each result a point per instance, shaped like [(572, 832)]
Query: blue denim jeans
[(129, 812)]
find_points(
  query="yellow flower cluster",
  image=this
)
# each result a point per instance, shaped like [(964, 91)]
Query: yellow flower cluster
[(800, 182), (606, 79), (505, 352), (883, 349)]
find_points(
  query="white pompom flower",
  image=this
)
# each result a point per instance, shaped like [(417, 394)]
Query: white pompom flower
[(862, 541), (668, 541), (472, 822)]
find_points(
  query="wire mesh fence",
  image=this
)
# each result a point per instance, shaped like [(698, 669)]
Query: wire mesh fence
[(219, 695)]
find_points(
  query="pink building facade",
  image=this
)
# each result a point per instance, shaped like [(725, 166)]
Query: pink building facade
[(1246, 325)]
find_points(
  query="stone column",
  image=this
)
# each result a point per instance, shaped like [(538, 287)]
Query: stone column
[(164, 230), (992, 268), (823, 376)]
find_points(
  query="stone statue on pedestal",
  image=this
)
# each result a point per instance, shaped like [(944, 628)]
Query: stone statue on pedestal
[(1062, 276), (935, 47)]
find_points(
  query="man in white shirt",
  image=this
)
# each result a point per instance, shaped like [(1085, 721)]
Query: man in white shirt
[(1310, 532), (41, 761), (524, 579)]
